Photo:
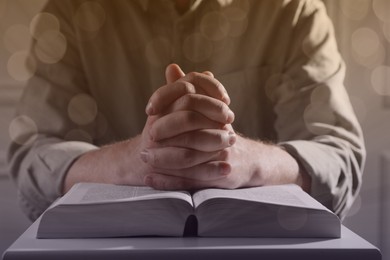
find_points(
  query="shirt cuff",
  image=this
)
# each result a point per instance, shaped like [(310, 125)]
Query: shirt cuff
[(317, 160), (46, 175)]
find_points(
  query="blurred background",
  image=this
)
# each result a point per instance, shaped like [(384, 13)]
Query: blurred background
[(363, 32)]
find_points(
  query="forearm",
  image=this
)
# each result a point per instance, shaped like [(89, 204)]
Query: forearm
[(118, 163)]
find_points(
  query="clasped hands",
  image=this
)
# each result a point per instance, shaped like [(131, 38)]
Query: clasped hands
[(188, 141)]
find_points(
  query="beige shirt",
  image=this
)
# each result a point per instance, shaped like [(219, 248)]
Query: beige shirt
[(98, 62)]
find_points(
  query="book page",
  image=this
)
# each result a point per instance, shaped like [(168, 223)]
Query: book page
[(288, 195), (91, 193)]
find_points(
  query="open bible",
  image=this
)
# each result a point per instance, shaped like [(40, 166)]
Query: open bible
[(106, 210)]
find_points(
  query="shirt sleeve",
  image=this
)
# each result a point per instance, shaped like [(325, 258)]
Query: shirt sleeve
[(51, 128), (315, 120)]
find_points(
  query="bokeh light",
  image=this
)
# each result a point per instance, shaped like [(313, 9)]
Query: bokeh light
[(23, 130), (238, 21), (382, 10), (42, 23), (90, 16), (21, 66), (355, 9), (82, 109), (380, 80), (51, 47), (367, 50), (365, 42), (214, 26)]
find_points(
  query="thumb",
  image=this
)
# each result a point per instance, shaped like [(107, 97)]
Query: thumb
[(173, 72)]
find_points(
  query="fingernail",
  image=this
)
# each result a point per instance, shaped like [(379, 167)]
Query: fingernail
[(232, 138), (145, 156), (230, 117), (149, 109)]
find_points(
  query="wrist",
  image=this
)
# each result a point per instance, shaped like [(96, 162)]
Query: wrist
[(118, 163), (303, 178), (295, 173), (273, 165), (131, 169)]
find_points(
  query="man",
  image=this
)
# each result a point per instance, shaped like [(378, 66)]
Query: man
[(268, 70)]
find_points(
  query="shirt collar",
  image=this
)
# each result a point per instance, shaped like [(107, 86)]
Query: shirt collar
[(145, 3)]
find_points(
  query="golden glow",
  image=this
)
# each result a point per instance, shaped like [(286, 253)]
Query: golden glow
[(380, 80), (82, 109), (21, 66), (90, 16), (43, 22), (51, 47), (367, 49)]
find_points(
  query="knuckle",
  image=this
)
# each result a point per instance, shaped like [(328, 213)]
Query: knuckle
[(222, 111), (156, 95), (220, 139), (193, 75), (220, 87), (220, 106), (196, 78), (185, 87), (186, 101), (188, 87)]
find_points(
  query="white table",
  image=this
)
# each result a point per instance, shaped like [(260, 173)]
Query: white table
[(349, 246)]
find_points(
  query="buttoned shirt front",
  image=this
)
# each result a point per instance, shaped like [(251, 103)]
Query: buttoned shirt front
[(96, 64)]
